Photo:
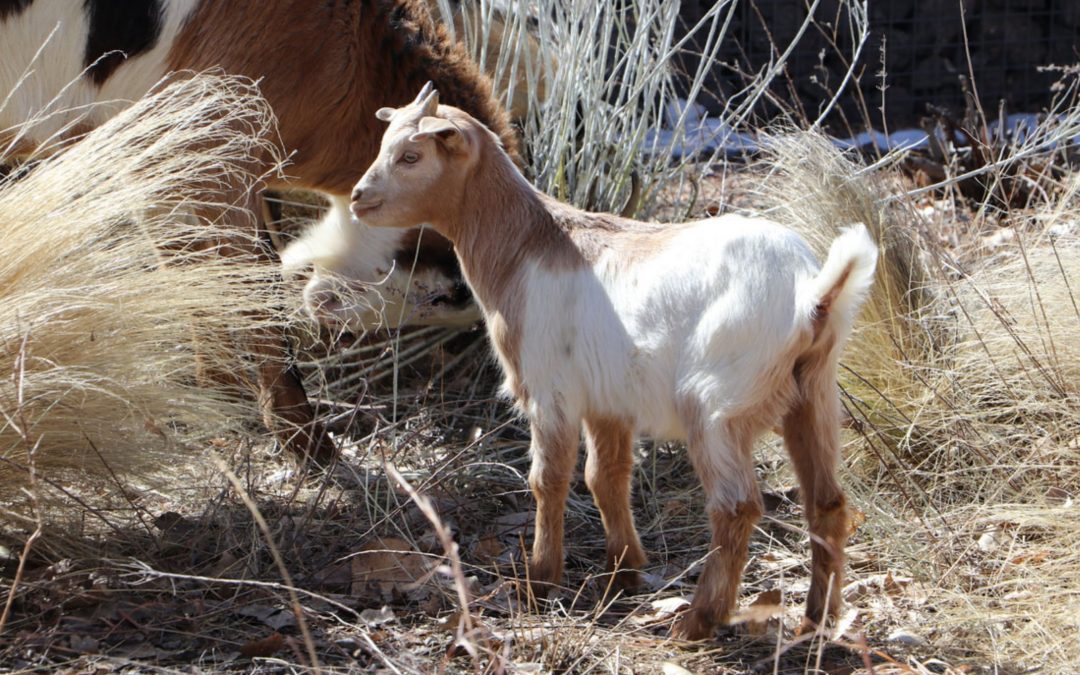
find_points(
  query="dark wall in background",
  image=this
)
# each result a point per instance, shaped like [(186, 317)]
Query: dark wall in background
[(923, 57)]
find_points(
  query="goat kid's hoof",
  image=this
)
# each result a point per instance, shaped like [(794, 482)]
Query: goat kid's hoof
[(543, 590), (808, 625), (693, 626), (625, 580)]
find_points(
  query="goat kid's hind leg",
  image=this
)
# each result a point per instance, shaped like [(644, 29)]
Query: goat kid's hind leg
[(554, 454), (812, 437), (733, 504), (609, 464)]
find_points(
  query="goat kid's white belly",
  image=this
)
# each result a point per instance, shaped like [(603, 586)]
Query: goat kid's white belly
[(703, 320), (42, 61)]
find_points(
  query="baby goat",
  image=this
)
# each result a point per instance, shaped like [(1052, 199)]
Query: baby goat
[(707, 332)]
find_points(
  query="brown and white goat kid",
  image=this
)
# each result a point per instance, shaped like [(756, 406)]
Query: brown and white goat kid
[(707, 332)]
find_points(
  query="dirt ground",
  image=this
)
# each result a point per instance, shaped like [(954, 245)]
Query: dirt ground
[(272, 570)]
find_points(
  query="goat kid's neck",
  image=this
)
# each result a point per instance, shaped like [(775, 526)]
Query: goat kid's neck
[(501, 227)]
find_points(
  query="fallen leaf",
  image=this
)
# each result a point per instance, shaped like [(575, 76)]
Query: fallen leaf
[(765, 607), (379, 636), (1031, 558), (377, 617), (660, 610), (388, 566), (888, 583), (488, 550), (264, 647), (450, 623), (270, 616)]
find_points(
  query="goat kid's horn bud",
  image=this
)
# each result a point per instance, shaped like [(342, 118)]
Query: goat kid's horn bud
[(424, 92), (430, 106)]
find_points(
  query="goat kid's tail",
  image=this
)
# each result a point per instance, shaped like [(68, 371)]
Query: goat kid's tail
[(835, 294)]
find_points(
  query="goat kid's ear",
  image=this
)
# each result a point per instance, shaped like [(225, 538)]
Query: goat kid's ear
[(442, 130), (385, 114)]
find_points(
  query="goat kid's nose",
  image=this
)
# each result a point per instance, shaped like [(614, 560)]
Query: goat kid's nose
[(357, 193)]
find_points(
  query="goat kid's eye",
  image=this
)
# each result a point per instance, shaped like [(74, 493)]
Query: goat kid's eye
[(410, 158)]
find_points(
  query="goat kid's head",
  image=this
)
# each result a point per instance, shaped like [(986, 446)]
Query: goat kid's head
[(423, 161)]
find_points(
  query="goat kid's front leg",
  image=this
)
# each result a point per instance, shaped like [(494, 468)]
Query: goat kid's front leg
[(554, 454), (609, 464)]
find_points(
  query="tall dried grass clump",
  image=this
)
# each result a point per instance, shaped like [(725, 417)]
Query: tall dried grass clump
[(963, 369), (1006, 478), (992, 509), (109, 287), (817, 189)]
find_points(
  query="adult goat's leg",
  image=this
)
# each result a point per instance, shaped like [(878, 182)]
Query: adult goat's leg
[(285, 408), (284, 403), (608, 468)]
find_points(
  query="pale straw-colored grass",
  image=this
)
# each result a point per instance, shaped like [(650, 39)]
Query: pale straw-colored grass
[(961, 376), (814, 188), (109, 287)]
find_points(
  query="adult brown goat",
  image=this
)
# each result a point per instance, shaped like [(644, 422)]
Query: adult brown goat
[(325, 68)]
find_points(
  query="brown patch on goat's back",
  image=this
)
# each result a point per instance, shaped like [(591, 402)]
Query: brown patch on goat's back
[(326, 68), (630, 241)]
